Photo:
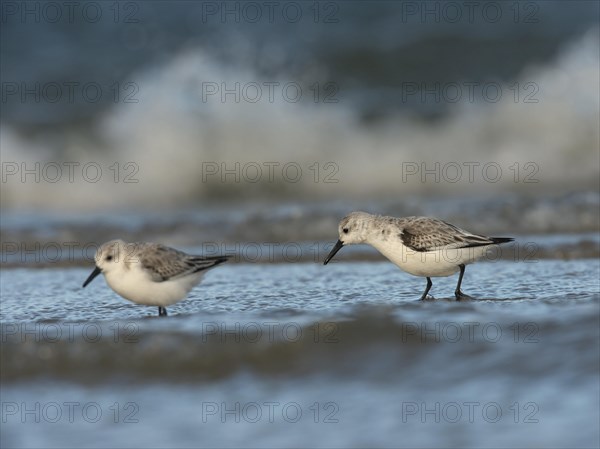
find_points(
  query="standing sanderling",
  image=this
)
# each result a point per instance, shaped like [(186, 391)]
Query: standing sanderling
[(150, 273), (421, 246)]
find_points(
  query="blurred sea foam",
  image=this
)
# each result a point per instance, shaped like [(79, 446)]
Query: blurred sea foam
[(369, 143)]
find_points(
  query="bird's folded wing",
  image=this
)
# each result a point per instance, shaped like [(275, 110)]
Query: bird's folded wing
[(430, 235), (165, 263)]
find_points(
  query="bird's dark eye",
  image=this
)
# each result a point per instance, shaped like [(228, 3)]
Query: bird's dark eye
[(109, 258), (345, 230)]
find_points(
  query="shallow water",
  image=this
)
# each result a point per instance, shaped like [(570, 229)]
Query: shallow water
[(306, 355), (274, 349)]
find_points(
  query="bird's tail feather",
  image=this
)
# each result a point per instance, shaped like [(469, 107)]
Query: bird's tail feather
[(499, 240), (207, 262)]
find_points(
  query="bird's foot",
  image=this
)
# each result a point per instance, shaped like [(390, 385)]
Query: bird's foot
[(426, 298), (162, 311), (460, 295)]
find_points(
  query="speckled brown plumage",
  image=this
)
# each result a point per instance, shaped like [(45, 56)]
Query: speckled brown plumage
[(164, 263)]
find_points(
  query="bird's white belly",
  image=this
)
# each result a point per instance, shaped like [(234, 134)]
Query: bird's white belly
[(437, 263), (137, 287)]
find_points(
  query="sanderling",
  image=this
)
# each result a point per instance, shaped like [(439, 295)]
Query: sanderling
[(421, 246), (150, 273)]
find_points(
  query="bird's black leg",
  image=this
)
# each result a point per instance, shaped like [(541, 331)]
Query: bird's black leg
[(162, 311), (429, 284), (460, 295)]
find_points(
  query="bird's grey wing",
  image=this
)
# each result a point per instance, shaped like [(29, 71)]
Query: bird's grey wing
[(163, 263), (426, 234)]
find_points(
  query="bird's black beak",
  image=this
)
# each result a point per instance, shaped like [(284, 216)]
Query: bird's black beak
[(333, 252), (91, 277)]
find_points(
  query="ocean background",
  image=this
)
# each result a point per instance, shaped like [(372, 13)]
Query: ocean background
[(251, 130)]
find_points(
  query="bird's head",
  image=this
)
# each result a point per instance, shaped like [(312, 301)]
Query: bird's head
[(108, 257), (353, 229)]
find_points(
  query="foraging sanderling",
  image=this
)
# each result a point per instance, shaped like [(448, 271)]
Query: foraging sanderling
[(150, 273), (421, 246)]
